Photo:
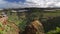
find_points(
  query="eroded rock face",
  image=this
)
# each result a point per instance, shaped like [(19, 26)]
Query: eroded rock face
[(34, 28)]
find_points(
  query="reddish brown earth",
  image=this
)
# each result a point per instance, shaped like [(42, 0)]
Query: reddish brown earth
[(5, 21), (16, 29)]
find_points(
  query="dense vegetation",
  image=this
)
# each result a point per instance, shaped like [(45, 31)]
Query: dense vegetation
[(50, 20), (56, 31)]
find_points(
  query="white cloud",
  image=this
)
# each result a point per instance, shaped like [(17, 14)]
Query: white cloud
[(30, 3), (58, 4), (42, 3)]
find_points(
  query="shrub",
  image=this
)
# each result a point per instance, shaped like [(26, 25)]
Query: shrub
[(56, 31)]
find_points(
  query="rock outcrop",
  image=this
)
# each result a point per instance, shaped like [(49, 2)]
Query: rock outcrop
[(34, 27)]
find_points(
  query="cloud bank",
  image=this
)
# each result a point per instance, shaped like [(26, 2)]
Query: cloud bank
[(30, 3)]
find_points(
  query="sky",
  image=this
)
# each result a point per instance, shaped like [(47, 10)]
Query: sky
[(29, 3)]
